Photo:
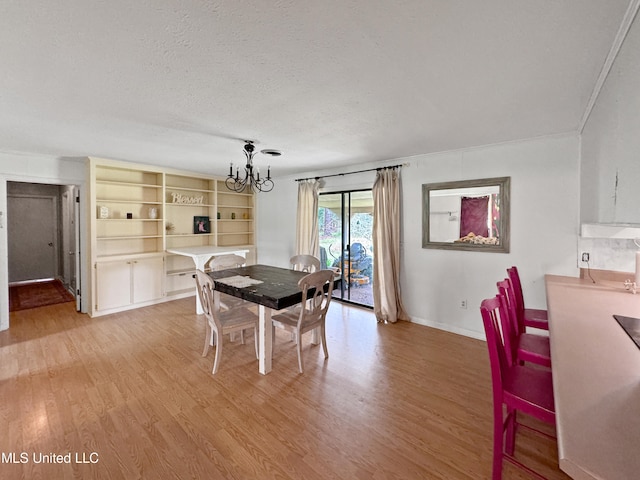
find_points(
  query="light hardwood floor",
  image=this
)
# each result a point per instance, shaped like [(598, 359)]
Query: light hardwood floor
[(396, 401)]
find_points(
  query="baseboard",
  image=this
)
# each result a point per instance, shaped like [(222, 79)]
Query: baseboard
[(133, 306), (448, 328)]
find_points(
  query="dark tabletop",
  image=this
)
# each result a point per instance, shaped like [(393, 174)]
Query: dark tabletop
[(279, 288)]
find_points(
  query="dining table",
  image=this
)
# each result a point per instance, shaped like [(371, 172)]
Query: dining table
[(270, 288), (596, 376)]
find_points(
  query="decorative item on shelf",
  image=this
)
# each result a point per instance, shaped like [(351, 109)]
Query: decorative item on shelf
[(251, 177), (186, 200), (103, 212), (129, 216), (218, 215), (201, 225), (245, 215), (169, 227), (153, 213), (233, 215)]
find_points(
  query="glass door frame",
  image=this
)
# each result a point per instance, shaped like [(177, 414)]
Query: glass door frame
[(346, 244)]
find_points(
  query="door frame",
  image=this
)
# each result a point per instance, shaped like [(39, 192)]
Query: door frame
[(346, 239), (82, 236)]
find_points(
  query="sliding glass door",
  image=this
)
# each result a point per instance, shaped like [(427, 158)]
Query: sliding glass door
[(345, 225)]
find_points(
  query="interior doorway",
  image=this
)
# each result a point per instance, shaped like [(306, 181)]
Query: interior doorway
[(42, 241), (32, 228), (345, 226)]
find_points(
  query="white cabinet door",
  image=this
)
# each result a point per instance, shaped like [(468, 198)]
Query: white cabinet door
[(147, 277), (113, 284)]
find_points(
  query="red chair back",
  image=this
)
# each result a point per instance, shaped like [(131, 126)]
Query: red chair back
[(493, 311), (506, 288), (509, 321), (514, 276)]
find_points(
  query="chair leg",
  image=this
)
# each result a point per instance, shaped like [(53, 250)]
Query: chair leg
[(207, 340), (498, 442), (299, 348), (216, 361), (242, 337), (510, 436), (324, 341)]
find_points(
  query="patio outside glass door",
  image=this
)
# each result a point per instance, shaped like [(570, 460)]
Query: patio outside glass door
[(345, 224)]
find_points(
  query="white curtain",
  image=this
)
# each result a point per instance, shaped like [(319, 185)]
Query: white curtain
[(387, 303), (307, 241)]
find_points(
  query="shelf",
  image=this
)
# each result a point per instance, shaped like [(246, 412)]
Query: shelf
[(126, 256), (169, 204), (124, 219), (221, 192), (181, 235), (129, 202), (235, 233), (187, 189), (235, 220), (128, 237), (127, 184)]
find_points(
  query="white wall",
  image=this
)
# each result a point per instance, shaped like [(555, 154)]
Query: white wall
[(611, 142), (21, 167), (275, 229), (610, 163), (544, 228)]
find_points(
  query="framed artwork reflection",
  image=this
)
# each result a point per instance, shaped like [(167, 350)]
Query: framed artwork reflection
[(201, 225)]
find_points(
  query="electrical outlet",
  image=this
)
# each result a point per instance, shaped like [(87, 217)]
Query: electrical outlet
[(463, 304), (585, 257)]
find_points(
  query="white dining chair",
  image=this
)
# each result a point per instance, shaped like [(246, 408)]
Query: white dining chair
[(316, 297), (305, 263), (219, 322), (222, 262)]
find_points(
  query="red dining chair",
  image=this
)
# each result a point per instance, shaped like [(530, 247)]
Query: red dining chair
[(532, 317), (516, 387), (524, 347)]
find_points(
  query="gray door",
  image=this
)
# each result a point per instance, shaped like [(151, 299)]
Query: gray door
[(31, 233)]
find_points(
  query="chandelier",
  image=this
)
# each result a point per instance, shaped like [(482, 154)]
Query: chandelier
[(251, 176)]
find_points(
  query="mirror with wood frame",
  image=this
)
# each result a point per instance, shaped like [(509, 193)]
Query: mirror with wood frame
[(467, 215)]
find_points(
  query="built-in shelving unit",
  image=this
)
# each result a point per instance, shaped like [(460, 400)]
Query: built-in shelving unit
[(236, 224), (124, 200), (186, 198), (138, 212)]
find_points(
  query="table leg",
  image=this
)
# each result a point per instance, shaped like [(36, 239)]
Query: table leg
[(265, 337)]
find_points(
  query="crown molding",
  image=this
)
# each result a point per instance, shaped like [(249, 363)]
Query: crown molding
[(625, 26)]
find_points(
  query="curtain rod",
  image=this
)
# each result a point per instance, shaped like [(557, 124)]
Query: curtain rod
[(351, 173)]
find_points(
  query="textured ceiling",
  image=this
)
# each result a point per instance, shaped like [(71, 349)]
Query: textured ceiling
[(334, 82)]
